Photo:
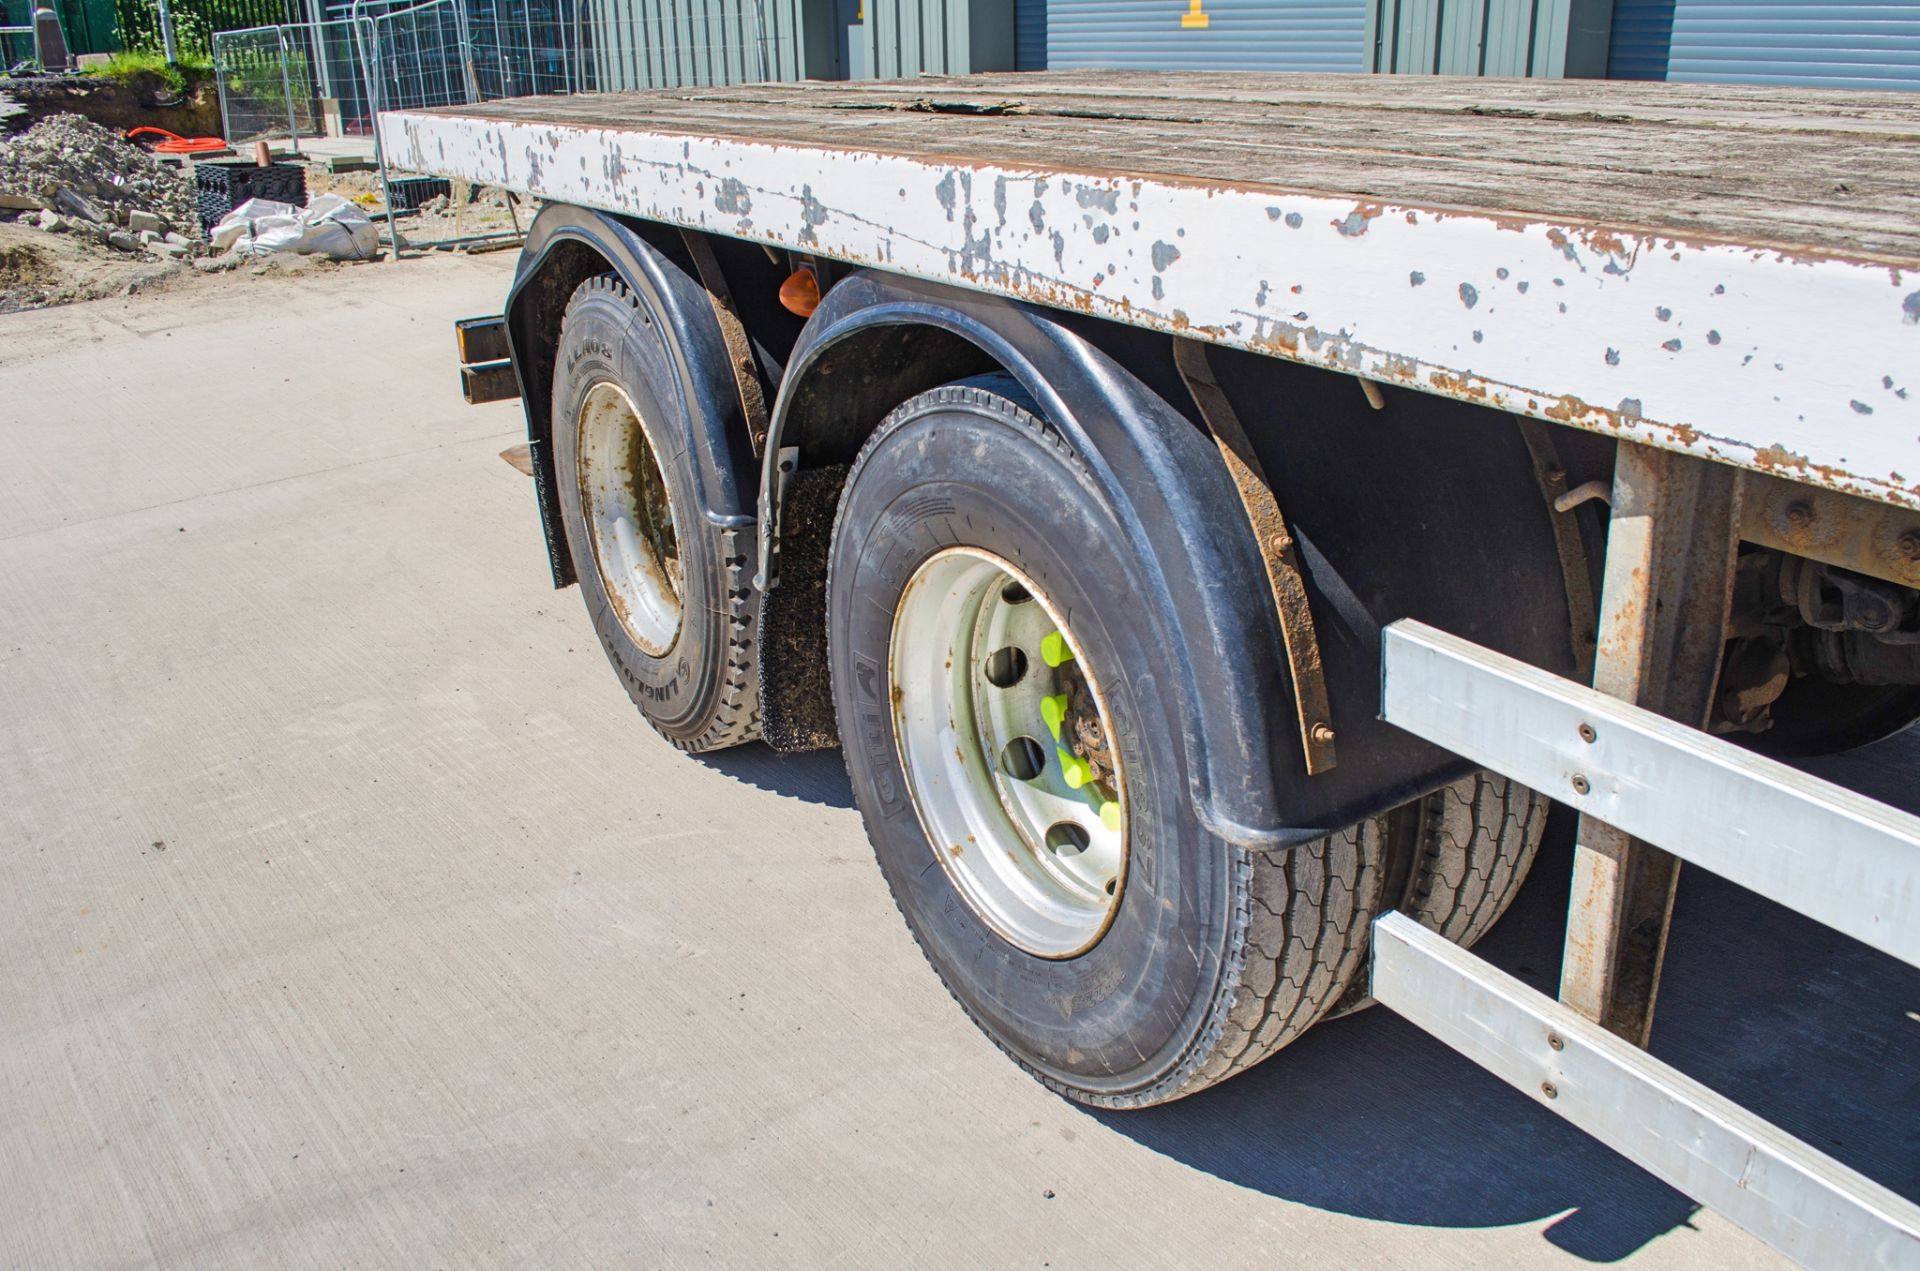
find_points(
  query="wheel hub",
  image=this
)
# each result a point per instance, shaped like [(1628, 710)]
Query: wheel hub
[(1004, 739), (629, 517)]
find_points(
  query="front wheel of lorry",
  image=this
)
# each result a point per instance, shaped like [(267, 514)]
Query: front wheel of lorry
[(1010, 714), (670, 596)]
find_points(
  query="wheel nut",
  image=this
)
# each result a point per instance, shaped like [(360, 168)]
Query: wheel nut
[(1581, 785)]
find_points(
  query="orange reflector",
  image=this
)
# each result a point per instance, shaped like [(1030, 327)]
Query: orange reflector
[(800, 293)]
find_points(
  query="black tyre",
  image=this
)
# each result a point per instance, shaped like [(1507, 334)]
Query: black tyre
[(1474, 842), (1208, 956), (1456, 860), (670, 596)]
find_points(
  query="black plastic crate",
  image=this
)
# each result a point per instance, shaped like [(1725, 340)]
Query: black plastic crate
[(221, 187), (408, 193)]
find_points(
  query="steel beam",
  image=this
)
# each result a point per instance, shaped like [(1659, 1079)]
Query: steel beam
[(1669, 580)]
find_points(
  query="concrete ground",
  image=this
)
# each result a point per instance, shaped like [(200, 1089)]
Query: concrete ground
[(350, 916)]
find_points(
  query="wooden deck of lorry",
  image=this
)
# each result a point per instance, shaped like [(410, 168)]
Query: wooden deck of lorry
[(1729, 271)]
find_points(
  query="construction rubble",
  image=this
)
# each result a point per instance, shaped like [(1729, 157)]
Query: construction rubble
[(69, 175)]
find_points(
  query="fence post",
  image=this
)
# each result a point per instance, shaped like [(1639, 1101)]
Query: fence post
[(286, 87), (369, 68), (166, 33), (220, 85), (760, 32), (465, 35)]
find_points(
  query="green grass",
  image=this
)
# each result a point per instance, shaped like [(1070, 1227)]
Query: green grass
[(133, 63)]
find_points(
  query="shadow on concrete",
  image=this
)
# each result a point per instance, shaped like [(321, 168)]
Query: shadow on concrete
[(1369, 1116), (814, 776)]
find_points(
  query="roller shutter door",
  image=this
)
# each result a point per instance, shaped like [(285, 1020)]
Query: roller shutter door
[(1853, 44), (1029, 35), (1240, 35)]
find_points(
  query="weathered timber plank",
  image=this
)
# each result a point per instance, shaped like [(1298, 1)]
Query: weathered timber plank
[(1833, 173)]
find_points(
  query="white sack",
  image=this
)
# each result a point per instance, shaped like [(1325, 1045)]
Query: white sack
[(327, 226)]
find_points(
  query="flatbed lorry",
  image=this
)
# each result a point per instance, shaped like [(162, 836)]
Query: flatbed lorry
[(1216, 514)]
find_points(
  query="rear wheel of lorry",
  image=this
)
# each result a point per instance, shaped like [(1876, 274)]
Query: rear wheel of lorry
[(1010, 717), (670, 596)]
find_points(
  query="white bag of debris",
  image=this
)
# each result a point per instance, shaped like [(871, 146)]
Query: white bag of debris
[(327, 226)]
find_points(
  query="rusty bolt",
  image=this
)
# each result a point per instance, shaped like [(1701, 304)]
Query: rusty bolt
[(1550, 1090), (1553, 1040), (1279, 542), (1909, 545), (1581, 785), (1587, 734), (1555, 475), (1799, 514), (1321, 733)]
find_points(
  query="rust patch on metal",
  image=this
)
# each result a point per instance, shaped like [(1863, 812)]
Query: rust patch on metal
[(1277, 554)]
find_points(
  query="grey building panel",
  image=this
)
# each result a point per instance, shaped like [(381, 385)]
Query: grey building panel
[(1857, 44), (1489, 37), (938, 37), (1240, 35), (689, 43)]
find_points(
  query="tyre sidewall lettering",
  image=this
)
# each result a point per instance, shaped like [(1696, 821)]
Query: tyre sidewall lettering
[(604, 341)]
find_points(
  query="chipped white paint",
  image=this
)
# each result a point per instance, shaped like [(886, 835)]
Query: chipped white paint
[(1809, 368)]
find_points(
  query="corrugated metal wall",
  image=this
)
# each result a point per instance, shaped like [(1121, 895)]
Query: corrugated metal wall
[(689, 43), (1490, 37), (1838, 44), (1029, 35), (905, 37), (1240, 35), (941, 37)]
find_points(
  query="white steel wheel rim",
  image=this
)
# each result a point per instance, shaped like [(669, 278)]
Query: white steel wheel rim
[(1041, 862), (629, 518)]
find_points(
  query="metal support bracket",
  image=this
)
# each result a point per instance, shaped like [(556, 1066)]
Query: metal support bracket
[(1277, 553), (1824, 525), (746, 370), (1669, 581)]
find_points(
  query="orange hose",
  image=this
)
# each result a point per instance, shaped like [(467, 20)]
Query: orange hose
[(174, 143)]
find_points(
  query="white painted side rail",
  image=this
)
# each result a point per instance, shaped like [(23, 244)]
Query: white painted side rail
[(1821, 850), (1798, 1200), (1742, 354)]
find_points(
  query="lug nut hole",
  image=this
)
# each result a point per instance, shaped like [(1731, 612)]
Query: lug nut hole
[(1023, 760), (1006, 667), (1067, 839)]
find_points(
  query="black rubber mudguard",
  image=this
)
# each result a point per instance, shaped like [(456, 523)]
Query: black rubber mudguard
[(567, 244), (1475, 557)]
